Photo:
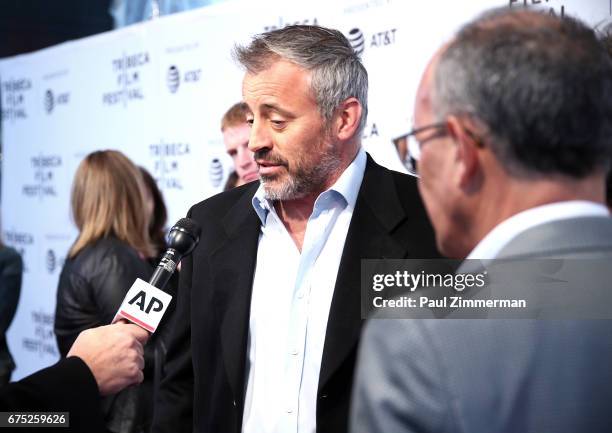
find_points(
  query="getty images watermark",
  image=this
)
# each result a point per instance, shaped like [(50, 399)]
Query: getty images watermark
[(474, 289)]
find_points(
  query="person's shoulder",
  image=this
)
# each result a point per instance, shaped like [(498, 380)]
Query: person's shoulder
[(10, 259), (403, 181), (586, 237), (221, 203), (104, 246), (104, 252)]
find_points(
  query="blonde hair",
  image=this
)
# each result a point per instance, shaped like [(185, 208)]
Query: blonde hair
[(108, 200), (235, 116)]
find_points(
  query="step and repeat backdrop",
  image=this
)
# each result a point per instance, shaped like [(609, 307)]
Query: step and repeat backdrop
[(157, 91)]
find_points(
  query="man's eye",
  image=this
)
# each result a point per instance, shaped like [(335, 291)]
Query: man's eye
[(278, 123), (249, 122)]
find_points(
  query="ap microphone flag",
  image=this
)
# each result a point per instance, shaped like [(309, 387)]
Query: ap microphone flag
[(146, 303)]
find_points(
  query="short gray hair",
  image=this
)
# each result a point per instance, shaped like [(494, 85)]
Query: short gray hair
[(337, 71), (541, 87)]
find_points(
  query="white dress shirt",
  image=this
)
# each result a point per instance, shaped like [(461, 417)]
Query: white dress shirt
[(292, 294), (490, 246)]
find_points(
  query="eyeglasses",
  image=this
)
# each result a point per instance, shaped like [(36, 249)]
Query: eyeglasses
[(414, 145)]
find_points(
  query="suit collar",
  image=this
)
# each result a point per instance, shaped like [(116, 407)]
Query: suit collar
[(504, 232), (242, 212), (375, 217), (380, 194), (567, 236), (233, 268)]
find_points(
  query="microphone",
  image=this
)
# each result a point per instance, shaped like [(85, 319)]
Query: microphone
[(182, 239), (145, 303)]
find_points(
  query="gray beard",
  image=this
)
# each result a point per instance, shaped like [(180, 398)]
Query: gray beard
[(304, 181)]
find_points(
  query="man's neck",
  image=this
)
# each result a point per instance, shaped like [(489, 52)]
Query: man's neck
[(520, 195), (295, 213)]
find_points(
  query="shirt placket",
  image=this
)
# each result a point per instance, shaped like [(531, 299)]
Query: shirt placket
[(318, 228)]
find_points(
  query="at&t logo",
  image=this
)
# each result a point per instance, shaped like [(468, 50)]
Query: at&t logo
[(174, 77), (358, 40), (216, 172), (51, 261), (51, 100)]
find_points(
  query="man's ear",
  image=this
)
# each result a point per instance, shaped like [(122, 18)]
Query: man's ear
[(346, 121), (468, 155)]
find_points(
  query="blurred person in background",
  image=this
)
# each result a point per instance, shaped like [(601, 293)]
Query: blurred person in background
[(156, 208), (236, 132), (108, 202), (231, 182), (11, 269)]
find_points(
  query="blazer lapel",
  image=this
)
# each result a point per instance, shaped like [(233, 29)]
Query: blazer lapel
[(375, 217), (233, 267)]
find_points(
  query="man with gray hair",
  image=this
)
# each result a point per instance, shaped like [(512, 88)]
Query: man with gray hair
[(513, 121), (268, 314)]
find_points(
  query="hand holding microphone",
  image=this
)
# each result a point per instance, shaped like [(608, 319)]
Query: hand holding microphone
[(146, 303), (114, 354)]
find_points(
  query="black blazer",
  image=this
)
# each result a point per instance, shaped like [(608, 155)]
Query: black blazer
[(67, 386), (11, 270), (206, 377), (91, 287)]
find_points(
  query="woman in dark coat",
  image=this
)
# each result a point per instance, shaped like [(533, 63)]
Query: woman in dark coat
[(111, 251)]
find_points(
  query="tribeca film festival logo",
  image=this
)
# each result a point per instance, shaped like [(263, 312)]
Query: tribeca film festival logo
[(173, 77), (13, 104), (51, 100), (21, 241), (43, 341), (128, 69), (359, 40), (167, 163), (282, 23), (44, 167)]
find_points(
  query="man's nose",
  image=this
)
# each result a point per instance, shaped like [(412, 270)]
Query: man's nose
[(259, 138)]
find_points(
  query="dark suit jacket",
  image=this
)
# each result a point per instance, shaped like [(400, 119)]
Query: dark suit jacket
[(91, 288), (206, 377), (67, 386), (11, 268)]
